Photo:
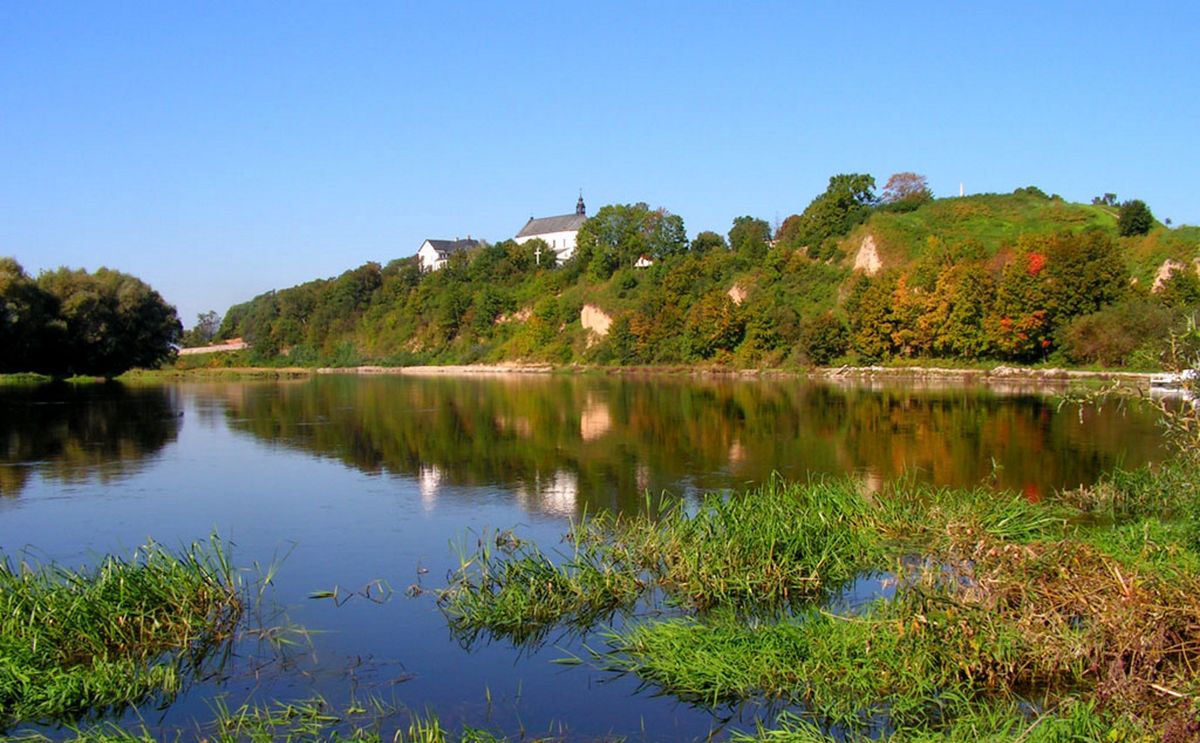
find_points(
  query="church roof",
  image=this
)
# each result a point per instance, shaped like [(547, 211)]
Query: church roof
[(446, 247), (546, 225)]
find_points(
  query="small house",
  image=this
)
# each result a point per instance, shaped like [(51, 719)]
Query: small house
[(435, 253)]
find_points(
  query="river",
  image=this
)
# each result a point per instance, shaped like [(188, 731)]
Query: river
[(373, 485)]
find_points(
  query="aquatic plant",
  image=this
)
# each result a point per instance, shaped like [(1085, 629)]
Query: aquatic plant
[(1091, 596), (78, 642), (758, 551)]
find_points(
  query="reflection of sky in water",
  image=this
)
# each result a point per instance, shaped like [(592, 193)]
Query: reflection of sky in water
[(359, 481)]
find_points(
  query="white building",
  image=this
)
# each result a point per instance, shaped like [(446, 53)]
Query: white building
[(435, 253), (557, 232)]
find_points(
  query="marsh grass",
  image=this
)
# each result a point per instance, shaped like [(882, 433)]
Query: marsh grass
[(761, 551), (508, 588), (301, 721), (75, 643), (1071, 719), (1091, 596)]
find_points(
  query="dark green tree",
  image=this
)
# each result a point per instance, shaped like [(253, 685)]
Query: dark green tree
[(1134, 218), (113, 322), (29, 325), (823, 338), (706, 241), (627, 231), (750, 237), (845, 204)]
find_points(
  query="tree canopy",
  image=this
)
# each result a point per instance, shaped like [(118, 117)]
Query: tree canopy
[(909, 189), (1134, 218), (845, 204), (73, 322), (750, 237), (620, 233)]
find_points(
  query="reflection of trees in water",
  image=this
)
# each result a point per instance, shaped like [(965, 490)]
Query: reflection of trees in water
[(567, 443), (75, 432)]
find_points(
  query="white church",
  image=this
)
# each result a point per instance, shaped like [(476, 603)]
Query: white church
[(557, 232)]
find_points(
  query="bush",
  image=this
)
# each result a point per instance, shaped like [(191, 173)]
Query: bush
[(823, 338), (1109, 337)]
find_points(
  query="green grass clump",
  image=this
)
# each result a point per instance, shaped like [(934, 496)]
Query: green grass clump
[(76, 643), (765, 549), (912, 665), (1069, 720), (307, 720), (922, 518), (1091, 595), (770, 546), (24, 378), (509, 588)]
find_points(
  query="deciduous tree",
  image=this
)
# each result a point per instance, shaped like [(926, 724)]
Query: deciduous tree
[(1134, 218), (846, 203), (113, 322), (906, 188)]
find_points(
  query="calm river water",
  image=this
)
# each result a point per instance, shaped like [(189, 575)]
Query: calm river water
[(346, 481)]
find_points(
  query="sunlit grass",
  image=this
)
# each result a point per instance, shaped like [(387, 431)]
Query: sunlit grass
[(79, 642), (1088, 602)]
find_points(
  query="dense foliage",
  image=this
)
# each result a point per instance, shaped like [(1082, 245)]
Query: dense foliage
[(73, 322), (1023, 277)]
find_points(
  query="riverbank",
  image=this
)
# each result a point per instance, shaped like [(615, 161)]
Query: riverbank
[(999, 376)]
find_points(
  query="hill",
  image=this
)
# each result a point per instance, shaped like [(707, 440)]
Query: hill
[(1008, 277)]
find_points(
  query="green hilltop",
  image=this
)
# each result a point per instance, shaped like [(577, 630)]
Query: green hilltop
[(854, 278)]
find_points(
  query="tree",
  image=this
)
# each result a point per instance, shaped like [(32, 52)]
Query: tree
[(627, 231), (1134, 218), (205, 329), (906, 188), (706, 241), (845, 204), (871, 311), (749, 237), (113, 322), (29, 327), (713, 324), (1084, 272), (823, 338)]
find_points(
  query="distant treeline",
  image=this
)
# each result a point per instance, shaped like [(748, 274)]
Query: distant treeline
[(70, 322), (1023, 277)]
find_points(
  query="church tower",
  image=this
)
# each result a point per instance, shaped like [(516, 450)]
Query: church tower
[(580, 209)]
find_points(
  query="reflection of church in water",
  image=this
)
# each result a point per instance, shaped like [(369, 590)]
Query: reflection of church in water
[(556, 494)]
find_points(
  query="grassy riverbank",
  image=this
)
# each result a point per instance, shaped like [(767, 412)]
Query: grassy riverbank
[(995, 615)]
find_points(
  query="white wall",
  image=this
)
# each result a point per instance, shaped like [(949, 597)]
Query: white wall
[(429, 257), (562, 243)]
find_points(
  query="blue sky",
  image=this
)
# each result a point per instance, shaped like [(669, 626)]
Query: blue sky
[(220, 150)]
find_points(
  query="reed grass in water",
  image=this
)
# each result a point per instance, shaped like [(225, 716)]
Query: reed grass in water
[(78, 642), (1088, 602)]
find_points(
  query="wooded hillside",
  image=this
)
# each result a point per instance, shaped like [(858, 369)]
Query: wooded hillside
[(854, 278)]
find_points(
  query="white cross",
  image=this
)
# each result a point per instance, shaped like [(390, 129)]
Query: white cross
[(537, 254)]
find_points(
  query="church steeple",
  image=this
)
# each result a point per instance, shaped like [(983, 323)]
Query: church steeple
[(580, 209)]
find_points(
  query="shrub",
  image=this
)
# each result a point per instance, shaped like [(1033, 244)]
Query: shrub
[(1111, 335)]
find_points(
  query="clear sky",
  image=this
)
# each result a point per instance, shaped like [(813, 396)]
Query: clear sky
[(218, 150)]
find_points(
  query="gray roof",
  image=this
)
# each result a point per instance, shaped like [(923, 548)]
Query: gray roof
[(446, 247), (546, 225)]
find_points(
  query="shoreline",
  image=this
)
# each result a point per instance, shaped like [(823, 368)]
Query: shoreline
[(1001, 375)]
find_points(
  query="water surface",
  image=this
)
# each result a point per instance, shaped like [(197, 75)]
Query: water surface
[(357, 480)]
